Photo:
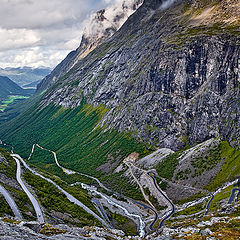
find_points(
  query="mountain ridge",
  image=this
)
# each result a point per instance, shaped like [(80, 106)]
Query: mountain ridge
[(25, 75), (158, 78), (151, 114), (99, 29), (8, 87)]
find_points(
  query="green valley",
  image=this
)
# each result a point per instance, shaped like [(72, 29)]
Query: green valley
[(5, 103), (135, 134)]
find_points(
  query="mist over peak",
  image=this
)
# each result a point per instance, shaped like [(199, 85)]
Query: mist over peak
[(110, 19)]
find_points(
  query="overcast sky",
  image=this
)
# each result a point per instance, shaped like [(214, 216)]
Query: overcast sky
[(41, 32)]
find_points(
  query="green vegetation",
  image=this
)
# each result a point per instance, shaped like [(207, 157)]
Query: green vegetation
[(48, 230), (9, 220), (167, 167), (118, 182), (222, 152), (4, 209), (182, 175), (121, 184), (153, 200), (228, 230), (7, 164), (53, 200), (188, 33), (125, 224), (46, 163), (4, 104), (191, 210), (191, 198), (10, 92), (74, 135), (8, 168), (17, 107), (225, 194), (49, 196), (207, 161), (231, 167), (163, 185), (22, 201)]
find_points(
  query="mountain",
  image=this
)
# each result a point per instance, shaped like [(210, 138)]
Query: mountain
[(32, 84), (25, 75), (8, 87), (100, 27), (149, 118), (11, 99), (151, 85), (170, 84)]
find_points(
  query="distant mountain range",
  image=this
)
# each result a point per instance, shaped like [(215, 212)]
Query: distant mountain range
[(25, 75), (8, 87)]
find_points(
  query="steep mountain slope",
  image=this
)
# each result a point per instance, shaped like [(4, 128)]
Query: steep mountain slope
[(172, 83), (25, 75), (168, 78), (12, 95), (152, 114), (100, 27)]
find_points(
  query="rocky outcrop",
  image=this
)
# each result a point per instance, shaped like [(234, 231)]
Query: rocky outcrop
[(210, 227), (169, 84), (11, 230)]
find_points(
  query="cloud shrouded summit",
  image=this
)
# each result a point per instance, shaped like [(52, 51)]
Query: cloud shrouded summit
[(36, 33)]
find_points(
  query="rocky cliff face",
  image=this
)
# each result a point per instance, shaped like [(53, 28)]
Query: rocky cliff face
[(170, 77), (100, 27), (166, 77)]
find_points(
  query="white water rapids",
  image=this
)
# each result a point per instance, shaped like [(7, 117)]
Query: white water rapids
[(67, 171)]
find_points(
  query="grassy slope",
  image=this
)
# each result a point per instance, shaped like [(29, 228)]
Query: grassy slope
[(229, 170), (57, 201), (17, 107), (73, 134), (10, 100)]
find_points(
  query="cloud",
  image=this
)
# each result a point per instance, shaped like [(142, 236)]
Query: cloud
[(34, 57), (34, 14), (166, 4), (113, 17), (34, 32), (17, 38)]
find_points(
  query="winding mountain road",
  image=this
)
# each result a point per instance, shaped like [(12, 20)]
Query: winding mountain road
[(208, 204), (101, 209), (232, 197), (110, 201), (130, 165), (152, 209), (34, 201), (67, 171), (10, 202), (126, 211), (166, 197), (69, 196)]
